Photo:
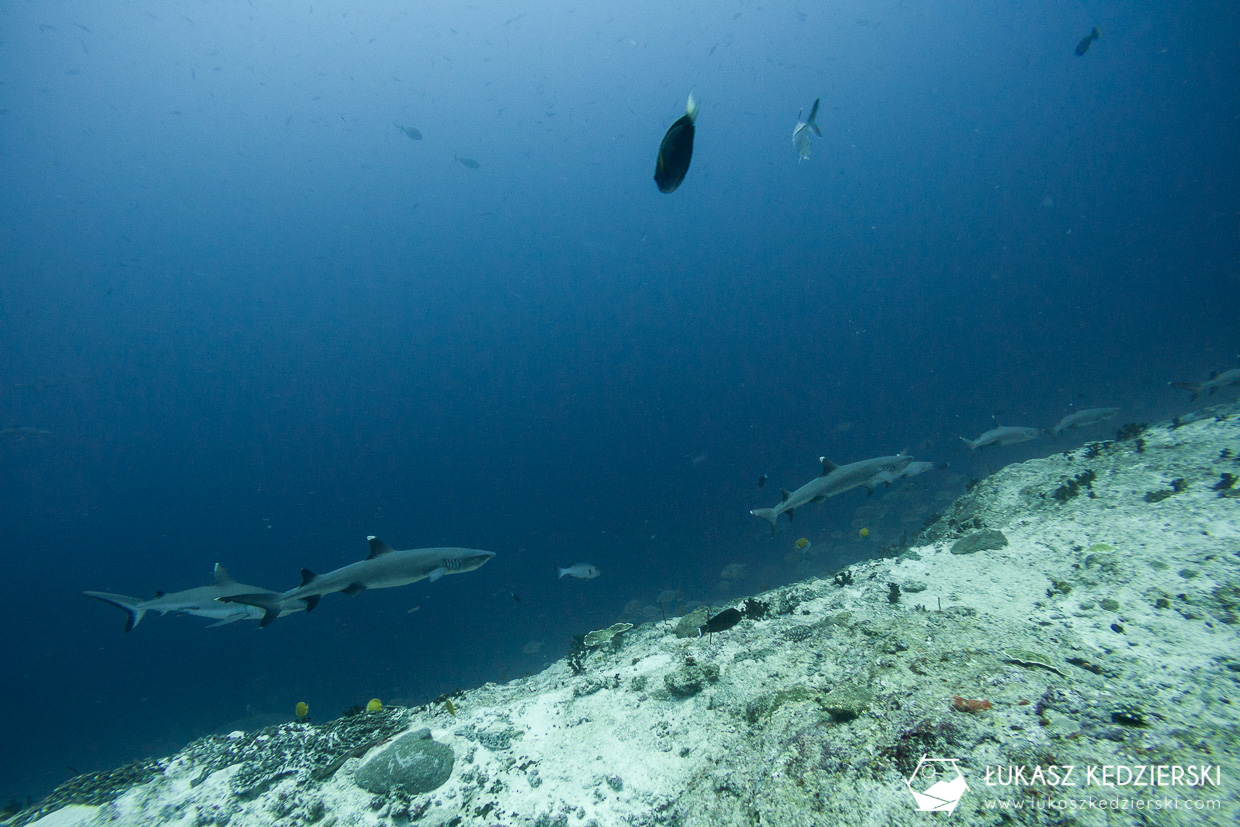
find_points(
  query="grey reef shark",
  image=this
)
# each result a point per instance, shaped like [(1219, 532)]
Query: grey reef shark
[(384, 568), (834, 479), (203, 601)]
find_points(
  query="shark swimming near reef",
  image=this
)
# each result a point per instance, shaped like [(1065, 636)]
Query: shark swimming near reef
[(384, 568), (1083, 418), (1002, 435), (1216, 381), (886, 478), (835, 479), (203, 601)]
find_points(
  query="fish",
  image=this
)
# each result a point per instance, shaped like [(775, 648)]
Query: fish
[(203, 601), (1002, 435), (884, 478), (676, 150), (582, 571), (22, 432), (801, 132), (384, 568), (721, 622), (835, 479), (1216, 381), (409, 130), (1079, 419), (1086, 42), (469, 162)]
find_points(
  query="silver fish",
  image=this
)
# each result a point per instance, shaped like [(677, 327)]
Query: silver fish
[(801, 132)]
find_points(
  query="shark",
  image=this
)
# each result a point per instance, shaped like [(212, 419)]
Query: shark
[(834, 479), (203, 601), (885, 478), (1216, 381), (800, 133), (1002, 435), (1082, 418), (384, 568), (21, 432)]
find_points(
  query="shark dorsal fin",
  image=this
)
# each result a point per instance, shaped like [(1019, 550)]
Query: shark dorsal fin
[(307, 577), (377, 548), (222, 577), (785, 494), (159, 593), (827, 466)]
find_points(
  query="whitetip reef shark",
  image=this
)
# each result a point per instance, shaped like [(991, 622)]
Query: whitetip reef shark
[(1002, 435), (203, 601), (384, 568), (1216, 381), (835, 479), (1083, 418)]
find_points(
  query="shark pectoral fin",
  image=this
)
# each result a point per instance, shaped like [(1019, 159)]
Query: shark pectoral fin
[(789, 513), (821, 498), (311, 601), (353, 589), (436, 574), (270, 613)]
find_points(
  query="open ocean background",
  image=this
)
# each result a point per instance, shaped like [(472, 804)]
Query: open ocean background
[(261, 322)]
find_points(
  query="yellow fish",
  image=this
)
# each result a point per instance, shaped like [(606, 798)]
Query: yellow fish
[(302, 709), (865, 532), (447, 704), (374, 705), (802, 544)]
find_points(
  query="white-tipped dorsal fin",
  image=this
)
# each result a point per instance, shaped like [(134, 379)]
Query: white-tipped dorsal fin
[(222, 577), (377, 548), (691, 108)]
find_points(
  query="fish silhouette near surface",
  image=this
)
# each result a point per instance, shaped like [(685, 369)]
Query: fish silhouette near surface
[(801, 132), (1086, 42), (469, 162), (410, 131), (384, 568), (676, 150)]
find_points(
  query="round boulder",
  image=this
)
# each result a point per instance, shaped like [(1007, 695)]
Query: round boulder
[(413, 763)]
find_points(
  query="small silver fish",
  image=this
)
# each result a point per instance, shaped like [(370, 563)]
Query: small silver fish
[(582, 571), (800, 133)]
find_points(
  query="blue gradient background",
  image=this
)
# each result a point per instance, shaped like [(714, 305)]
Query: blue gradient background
[(262, 323)]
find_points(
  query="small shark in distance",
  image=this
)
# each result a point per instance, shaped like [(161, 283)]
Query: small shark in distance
[(384, 568), (203, 601), (20, 433), (1083, 418), (1216, 381), (1003, 435), (835, 479), (884, 478)]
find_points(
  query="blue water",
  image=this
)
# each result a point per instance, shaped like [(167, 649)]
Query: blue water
[(261, 322)]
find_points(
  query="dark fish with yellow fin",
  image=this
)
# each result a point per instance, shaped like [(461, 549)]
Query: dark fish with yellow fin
[(676, 151), (1086, 42)]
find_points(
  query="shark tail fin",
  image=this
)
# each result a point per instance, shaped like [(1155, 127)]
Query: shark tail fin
[(813, 113), (132, 606), (768, 514), (1191, 387)]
